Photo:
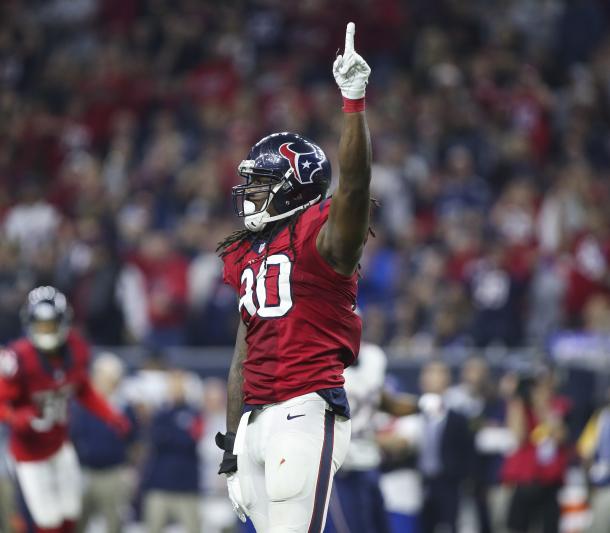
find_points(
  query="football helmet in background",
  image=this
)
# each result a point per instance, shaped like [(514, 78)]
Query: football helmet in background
[(46, 318), (284, 171)]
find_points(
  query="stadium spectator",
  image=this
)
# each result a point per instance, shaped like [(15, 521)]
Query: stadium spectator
[(590, 268), (496, 294), (445, 450), (32, 221), (102, 453), (14, 284), (462, 189), (476, 399), (8, 502), (536, 469), (594, 450), (596, 315), (164, 275), (89, 272), (209, 298), (171, 475), (545, 306), (217, 512)]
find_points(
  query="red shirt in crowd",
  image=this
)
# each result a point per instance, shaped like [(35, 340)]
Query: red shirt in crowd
[(538, 459), (166, 287), (589, 272)]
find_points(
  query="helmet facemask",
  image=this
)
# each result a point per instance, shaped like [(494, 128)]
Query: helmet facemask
[(47, 318), (245, 196), (48, 335), (256, 218)]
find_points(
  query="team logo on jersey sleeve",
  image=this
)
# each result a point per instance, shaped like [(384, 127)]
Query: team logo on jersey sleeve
[(304, 165), (8, 363)]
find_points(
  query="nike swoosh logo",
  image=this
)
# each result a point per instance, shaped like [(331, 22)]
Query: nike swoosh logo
[(289, 417)]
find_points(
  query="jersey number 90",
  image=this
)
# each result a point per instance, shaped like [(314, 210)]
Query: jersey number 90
[(268, 293)]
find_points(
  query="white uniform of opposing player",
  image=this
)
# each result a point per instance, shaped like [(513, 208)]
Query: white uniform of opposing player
[(364, 385), (356, 503)]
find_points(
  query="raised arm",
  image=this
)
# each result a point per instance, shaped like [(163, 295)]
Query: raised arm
[(341, 240)]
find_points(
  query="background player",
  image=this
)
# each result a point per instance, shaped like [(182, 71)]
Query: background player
[(356, 503), (39, 374), (295, 268)]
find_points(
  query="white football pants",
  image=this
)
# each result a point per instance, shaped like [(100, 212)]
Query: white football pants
[(52, 487), (290, 455)]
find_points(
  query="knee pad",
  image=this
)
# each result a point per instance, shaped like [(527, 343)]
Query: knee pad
[(288, 466)]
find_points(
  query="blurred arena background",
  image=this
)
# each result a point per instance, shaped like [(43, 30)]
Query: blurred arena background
[(121, 125)]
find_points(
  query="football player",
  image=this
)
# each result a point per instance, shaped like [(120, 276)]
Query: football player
[(295, 270), (356, 503), (39, 374)]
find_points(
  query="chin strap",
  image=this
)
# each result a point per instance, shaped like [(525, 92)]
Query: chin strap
[(258, 221)]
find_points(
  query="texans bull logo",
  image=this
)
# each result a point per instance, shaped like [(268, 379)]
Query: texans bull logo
[(304, 165)]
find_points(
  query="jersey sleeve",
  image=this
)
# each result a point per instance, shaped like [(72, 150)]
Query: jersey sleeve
[(89, 398), (10, 382), (86, 395), (17, 416)]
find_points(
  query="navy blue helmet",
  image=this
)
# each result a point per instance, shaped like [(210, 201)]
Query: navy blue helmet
[(46, 318), (284, 171)]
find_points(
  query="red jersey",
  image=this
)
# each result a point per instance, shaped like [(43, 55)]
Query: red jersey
[(588, 272), (533, 461), (37, 392), (302, 329)]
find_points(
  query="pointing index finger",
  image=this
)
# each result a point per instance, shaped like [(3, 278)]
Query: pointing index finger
[(349, 38)]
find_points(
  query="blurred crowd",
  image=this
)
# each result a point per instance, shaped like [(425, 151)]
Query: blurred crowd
[(496, 451), (123, 121), (489, 450)]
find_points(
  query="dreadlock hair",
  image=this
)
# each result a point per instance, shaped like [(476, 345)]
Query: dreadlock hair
[(268, 233)]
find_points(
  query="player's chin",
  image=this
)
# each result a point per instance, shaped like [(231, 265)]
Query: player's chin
[(258, 199)]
